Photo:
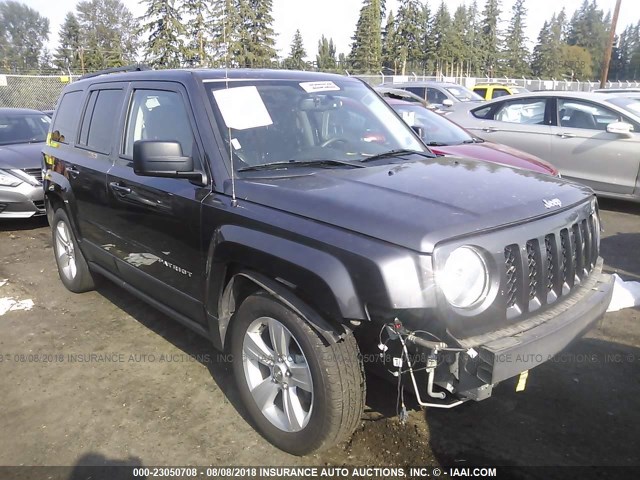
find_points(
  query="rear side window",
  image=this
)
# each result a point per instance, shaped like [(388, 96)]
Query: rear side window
[(100, 120), (435, 96), (481, 91), (420, 91), (66, 122), (499, 92)]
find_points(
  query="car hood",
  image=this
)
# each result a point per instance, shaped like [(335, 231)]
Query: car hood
[(413, 204), (21, 155), (497, 153)]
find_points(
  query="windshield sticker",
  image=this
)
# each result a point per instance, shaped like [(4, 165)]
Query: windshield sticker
[(409, 117), (242, 108), (236, 144), (312, 87)]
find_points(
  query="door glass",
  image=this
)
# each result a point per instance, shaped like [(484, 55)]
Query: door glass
[(499, 92), (579, 114), (64, 127), (158, 115), (435, 96), (419, 91), (104, 120), (527, 111), (481, 91)]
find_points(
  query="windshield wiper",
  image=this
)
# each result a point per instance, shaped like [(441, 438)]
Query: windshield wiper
[(299, 163), (437, 144), (397, 153)]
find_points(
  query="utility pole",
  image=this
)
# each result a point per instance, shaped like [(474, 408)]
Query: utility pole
[(609, 46)]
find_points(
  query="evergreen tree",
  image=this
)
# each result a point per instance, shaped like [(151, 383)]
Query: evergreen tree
[(589, 28), (442, 34), (261, 33), (390, 44), (109, 35), (366, 50), (471, 39), (295, 60), (548, 59), (490, 38), (410, 31), (67, 55), (224, 26), (198, 16), (165, 47), (516, 54), (459, 47), (326, 57)]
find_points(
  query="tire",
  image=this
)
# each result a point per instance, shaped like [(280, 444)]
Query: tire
[(72, 266), (324, 384)]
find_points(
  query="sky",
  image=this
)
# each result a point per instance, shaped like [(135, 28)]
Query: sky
[(337, 18)]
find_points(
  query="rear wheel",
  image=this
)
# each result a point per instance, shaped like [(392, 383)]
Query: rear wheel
[(72, 266), (302, 394)]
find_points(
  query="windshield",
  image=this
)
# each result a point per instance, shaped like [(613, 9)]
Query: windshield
[(464, 94), (631, 104), (269, 121), (436, 130), (23, 128)]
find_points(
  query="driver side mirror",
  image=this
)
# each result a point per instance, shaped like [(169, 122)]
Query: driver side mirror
[(447, 102), (623, 129), (157, 158)]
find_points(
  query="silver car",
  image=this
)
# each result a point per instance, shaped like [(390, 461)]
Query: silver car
[(438, 93), (22, 135), (591, 138)]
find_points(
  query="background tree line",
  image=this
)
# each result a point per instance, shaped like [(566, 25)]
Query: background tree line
[(421, 36)]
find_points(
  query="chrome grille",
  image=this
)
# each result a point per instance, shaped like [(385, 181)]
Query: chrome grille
[(544, 269), (34, 172)]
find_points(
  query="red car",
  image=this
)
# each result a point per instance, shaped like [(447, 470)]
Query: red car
[(447, 138)]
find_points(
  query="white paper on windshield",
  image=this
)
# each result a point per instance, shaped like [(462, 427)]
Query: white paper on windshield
[(242, 108), (409, 118), (312, 87), (235, 144)]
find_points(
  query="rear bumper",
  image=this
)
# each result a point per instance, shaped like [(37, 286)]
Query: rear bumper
[(549, 333), (23, 201)]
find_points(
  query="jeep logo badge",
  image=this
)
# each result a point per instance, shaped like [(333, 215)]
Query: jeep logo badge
[(554, 202)]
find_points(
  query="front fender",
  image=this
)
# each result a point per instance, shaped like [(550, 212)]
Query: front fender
[(318, 278)]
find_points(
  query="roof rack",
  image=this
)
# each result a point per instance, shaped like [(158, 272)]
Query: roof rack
[(137, 67)]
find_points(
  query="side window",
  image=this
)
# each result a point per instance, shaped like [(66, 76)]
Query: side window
[(158, 115), (86, 119), (527, 111), (499, 92), (578, 114), (482, 112), (435, 96), (100, 120), (420, 91), (481, 91), (66, 122)]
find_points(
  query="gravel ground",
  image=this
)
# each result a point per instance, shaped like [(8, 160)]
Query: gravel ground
[(156, 394)]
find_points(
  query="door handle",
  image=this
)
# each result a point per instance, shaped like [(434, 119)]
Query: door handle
[(490, 129), (72, 170), (565, 135), (116, 187)]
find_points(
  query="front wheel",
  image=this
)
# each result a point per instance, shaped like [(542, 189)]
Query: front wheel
[(302, 394)]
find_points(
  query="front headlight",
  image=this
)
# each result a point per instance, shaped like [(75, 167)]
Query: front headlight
[(8, 180), (464, 280)]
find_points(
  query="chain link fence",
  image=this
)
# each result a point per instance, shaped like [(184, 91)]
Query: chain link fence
[(41, 92)]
